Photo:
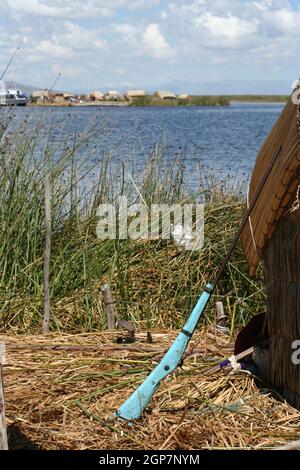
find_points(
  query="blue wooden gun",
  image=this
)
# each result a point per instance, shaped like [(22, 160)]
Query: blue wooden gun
[(137, 402)]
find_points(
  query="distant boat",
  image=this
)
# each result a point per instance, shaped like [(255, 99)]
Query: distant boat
[(9, 97)]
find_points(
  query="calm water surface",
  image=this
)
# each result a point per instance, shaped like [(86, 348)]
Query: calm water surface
[(224, 139)]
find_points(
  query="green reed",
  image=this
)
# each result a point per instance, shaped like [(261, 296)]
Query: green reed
[(154, 282)]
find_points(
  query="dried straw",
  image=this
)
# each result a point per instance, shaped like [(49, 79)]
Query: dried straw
[(61, 390)]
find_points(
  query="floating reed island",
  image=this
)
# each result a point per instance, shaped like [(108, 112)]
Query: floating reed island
[(61, 387), (142, 98)]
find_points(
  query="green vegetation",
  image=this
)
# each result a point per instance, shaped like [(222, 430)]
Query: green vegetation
[(154, 282), (152, 100), (259, 98)]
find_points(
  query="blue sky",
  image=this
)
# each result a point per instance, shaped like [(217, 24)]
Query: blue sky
[(137, 43)]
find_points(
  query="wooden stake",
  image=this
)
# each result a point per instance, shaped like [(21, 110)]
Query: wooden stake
[(221, 319), (220, 313), (109, 307), (130, 327), (3, 433), (47, 255)]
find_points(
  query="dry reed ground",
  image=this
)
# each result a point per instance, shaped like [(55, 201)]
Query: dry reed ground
[(61, 397)]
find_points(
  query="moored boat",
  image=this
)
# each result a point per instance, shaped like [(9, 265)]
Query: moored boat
[(9, 97)]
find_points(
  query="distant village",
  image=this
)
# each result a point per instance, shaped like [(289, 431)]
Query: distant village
[(42, 97)]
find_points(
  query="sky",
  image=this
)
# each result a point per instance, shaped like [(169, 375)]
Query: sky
[(141, 43)]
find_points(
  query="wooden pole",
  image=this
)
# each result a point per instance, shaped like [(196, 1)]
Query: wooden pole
[(47, 255), (221, 319), (239, 356), (220, 313), (3, 433), (109, 307)]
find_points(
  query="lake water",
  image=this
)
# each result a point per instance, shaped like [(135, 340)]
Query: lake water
[(223, 139)]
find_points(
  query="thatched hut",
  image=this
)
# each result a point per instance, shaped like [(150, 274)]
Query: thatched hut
[(183, 96), (57, 97), (135, 94), (67, 96), (96, 96), (165, 95), (40, 95), (113, 95), (273, 235)]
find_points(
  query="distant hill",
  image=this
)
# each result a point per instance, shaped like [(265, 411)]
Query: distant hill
[(224, 87), (231, 87), (28, 89)]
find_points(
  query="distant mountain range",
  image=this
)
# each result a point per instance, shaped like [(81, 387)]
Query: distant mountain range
[(231, 87), (28, 89), (224, 87)]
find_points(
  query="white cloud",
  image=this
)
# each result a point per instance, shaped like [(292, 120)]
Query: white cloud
[(107, 39), (155, 44), (80, 39), (34, 7), (263, 5), (284, 22), (55, 50), (229, 29), (138, 4), (72, 9), (128, 32)]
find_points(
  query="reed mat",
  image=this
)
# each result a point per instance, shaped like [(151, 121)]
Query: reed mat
[(61, 390)]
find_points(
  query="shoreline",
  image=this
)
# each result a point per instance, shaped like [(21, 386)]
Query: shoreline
[(234, 102), (71, 105), (197, 101)]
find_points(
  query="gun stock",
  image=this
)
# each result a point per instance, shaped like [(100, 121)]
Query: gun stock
[(137, 402)]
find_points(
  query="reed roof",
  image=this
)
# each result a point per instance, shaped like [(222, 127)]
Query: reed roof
[(97, 95), (135, 93), (280, 187), (164, 94)]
